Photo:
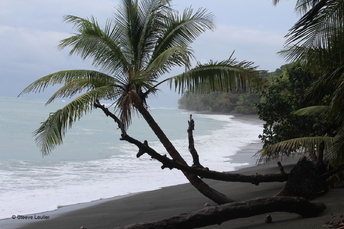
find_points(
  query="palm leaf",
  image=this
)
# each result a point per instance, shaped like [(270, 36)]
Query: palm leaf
[(63, 77), (302, 5), (182, 30), (317, 24), (51, 132), (103, 46), (174, 56), (306, 145), (216, 76), (83, 85), (146, 29), (312, 111)]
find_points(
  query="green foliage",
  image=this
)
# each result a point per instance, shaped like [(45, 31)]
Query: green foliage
[(283, 96), (316, 41), (304, 145), (247, 103), (220, 102), (221, 76)]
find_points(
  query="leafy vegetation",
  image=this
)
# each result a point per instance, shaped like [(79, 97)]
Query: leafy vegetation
[(244, 103), (241, 99), (283, 95), (316, 42)]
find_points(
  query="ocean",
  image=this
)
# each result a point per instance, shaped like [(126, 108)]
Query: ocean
[(93, 164)]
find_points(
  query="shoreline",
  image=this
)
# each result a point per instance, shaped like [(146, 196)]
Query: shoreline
[(123, 210), (169, 201), (150, 205), (60, 212), (244, 155)]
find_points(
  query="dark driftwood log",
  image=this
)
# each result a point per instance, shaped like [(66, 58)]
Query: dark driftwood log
[(219, 214), (305, 180)]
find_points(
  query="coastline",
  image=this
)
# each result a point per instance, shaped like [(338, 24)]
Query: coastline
[(164, 202), (177, 199), (174, 200), (242, 156), (60, 179)]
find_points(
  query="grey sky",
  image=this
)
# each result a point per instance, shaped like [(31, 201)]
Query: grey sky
[(31, 29)]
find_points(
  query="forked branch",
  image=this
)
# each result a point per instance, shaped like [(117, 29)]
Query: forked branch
[(199, 171)]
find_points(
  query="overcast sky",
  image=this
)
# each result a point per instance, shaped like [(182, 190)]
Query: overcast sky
[(31, 29)]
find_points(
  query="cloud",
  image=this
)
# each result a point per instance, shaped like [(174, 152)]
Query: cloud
[(259, 46), (29, 54), (31, 30), (29, 34), (25, 46), (242, 35)]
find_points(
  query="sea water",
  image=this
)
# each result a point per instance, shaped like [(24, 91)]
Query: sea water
[(92, 163)]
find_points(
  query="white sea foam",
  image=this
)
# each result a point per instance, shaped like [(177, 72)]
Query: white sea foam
[(93, 164)]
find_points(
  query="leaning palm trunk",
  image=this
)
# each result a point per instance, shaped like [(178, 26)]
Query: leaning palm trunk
[(201, 186), (144, 40)]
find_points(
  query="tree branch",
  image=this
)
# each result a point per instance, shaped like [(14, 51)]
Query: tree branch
[(106, 111), (204, 172), (201, 186), (219, 214), (192, 149), (199, 171), (281, 167)]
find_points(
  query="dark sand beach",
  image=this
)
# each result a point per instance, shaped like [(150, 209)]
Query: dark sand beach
[(170, 201)]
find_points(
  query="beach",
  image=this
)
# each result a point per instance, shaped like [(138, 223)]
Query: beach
[(174, 200), (50, 181), (93, 156)]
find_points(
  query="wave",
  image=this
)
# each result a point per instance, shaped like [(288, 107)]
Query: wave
[(94, 164)]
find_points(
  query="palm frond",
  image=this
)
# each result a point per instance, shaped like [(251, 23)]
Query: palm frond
[(304, 5), (51, 132), (63, 77), (83, 85), (319, 23), (174, 56), (102, 45), (312, 111), (151, 15), (223, 76), (301, 5), (303, 146), (181, 30)]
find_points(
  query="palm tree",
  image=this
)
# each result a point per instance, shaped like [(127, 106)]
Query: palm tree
[(142, 42), (317, 42)]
